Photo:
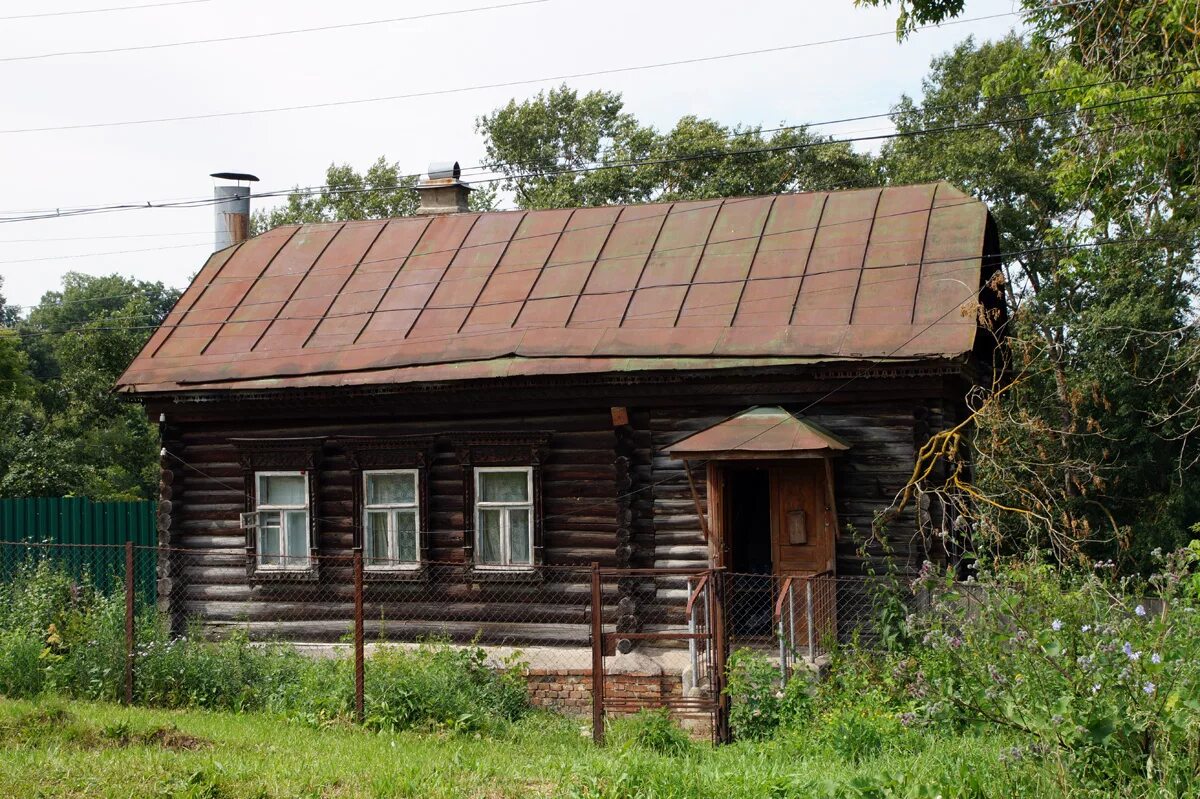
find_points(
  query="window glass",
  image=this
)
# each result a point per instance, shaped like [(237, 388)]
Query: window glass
[(504, 486), (281, 489), (518, 535), (297, 537), (490, 535), (391, 489), (268, 540), (283, 523), (376, 546), (406, 535)]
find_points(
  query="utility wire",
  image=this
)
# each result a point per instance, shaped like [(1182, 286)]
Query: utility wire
[(496, 167), (945, 129), (271, 34), (101, 10), (497, 85)]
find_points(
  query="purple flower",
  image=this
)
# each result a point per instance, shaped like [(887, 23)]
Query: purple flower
[(1056, 625), (1156, 658), (1149, 688), (1140, 610), (1085, 628), (1129, 653), (1096, 688)]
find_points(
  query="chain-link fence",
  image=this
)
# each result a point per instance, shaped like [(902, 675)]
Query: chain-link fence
[(584, 638)]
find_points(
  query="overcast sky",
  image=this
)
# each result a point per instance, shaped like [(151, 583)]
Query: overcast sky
[(92, 166)]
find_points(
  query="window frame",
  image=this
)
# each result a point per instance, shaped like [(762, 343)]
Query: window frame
[(393, 564), (291, 562), (506, 563)]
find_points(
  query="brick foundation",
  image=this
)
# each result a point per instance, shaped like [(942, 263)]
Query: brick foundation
[(570, 690)]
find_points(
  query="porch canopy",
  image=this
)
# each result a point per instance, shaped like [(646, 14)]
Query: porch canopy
[(762, 432)]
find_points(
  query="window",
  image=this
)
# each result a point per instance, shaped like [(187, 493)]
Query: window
[(283, 530), (504, 516), (391, 519)]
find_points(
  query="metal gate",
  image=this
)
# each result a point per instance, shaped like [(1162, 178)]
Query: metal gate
[(661, 646)]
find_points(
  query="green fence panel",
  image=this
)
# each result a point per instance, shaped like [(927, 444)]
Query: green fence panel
[(93, 535)]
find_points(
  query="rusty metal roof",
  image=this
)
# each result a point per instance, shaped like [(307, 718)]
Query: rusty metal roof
[(873, 274), (760, 432)]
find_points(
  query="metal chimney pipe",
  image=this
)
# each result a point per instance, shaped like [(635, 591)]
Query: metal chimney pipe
[(231, 211)]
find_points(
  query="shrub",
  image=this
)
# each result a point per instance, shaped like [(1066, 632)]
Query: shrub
[(441, 686), (1099, 683), (858, 733), (755, 699), (59, 635), (652, 730)]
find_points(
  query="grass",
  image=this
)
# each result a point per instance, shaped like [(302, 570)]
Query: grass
[(81, 749)]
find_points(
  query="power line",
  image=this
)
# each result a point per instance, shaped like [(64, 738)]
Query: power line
[(497, 85), (117, 236), (493, 168), (945, 129), (101, 254), (272, 34), (101, 10)]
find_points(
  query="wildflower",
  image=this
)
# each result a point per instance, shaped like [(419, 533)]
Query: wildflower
[(1087, 628), (955, 642), (1155, 658), (1140, 610), (907, 718), (1084, 661), (1129, 652), (1095, 688), (1149, 688), (1056, 625)]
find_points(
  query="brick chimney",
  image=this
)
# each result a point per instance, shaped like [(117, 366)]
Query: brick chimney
[(442, 191)]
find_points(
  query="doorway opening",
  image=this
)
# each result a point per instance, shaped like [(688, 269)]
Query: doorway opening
[(748, 536)]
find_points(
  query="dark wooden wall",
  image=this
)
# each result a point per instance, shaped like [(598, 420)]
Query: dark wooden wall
[(609, 496)]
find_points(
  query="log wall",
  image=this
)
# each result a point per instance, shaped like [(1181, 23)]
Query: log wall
[(608, 496)]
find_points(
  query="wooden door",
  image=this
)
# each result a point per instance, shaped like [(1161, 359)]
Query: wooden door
[(803, 525), (803, 533)]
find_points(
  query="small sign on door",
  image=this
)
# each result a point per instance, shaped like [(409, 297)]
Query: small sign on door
[(797, 527)]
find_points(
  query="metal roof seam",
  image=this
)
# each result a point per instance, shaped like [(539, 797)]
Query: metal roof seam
[(296, 288), (253, 282), (692, 307)]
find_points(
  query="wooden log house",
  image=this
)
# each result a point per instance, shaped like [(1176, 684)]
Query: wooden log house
[(512, 392)]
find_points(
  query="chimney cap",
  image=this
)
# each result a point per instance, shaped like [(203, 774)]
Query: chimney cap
[(444, 170), (235, 176)]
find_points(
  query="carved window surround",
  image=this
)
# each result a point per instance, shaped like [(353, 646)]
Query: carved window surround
[(380, 454), (501, 449), (280, 454)]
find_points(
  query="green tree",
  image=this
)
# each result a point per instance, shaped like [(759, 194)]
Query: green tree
[(1093, 187), (73, 435), (561, 149), (381, 192)]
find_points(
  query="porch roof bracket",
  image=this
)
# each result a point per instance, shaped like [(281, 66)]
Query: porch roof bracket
[(700, 512)]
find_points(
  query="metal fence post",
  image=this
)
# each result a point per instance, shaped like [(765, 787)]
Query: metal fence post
[(692, 659), (720, 654), (129, 591), (808, 597), (597, 658), (359, 670)]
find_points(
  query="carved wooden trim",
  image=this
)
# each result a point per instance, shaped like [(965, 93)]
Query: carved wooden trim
[(405, 452), (492, 448), (281, 454)]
